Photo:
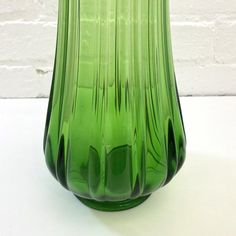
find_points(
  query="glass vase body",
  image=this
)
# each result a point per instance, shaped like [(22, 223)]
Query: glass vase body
[(114, 131)]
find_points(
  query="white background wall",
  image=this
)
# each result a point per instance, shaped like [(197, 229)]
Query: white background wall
[(203, 36)]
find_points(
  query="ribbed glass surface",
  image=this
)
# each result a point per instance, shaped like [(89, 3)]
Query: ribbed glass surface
[(114, 130)]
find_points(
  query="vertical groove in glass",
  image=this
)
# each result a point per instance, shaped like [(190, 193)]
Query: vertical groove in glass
[(114, 102)]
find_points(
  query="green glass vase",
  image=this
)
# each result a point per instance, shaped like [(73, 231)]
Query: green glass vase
[(114, 131)]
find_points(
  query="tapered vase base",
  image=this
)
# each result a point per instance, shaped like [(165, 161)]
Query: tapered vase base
[(113, 206)]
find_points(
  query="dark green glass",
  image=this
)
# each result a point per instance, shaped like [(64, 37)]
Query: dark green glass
[(114, 130)]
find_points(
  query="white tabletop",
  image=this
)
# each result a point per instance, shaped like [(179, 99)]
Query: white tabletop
[(201, 200)]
